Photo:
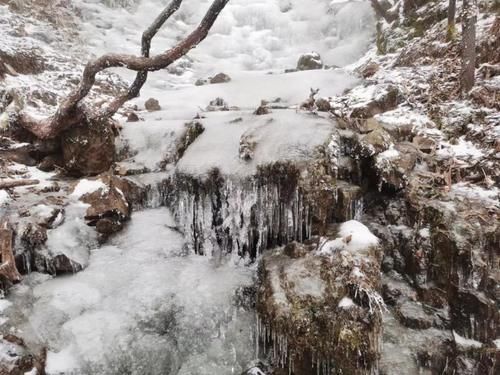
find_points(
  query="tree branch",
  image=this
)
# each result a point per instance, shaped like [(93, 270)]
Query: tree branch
[(70, 112), (140, 79)]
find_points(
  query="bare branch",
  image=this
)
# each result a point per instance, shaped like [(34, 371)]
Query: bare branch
[(70, 112), (140, 79)]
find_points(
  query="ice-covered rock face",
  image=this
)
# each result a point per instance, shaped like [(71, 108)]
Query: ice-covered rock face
[(319, 304)]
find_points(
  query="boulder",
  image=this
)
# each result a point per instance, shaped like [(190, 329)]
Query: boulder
[(319, 304), (374, 143), (412, 315), (152, 105), (369, 69), (395, 165), (383, 99), (220, 78), (89, 149), (323, 105), (132, 117), (108, 208), (310, 61)]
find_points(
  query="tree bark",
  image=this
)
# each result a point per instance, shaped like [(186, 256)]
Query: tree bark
[(469, 18), (71, 111), (452, 9), (8, 266)]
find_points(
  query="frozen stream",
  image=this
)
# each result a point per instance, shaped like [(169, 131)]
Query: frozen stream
[(143, 306)]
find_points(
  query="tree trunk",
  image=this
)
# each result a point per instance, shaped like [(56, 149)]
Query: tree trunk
[(71, 111), (452, 9), (8, 265), (469, 18)]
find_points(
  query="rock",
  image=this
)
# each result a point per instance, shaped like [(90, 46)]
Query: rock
[(108, 226), (47, 216), (323, 301), (201, 82), (395, 165), (247, 147), (220, 78), (219, 104), (349, 200), (412, 315), (21, 62), (323, 105), (384, 98), (132, 117), (374, 142), (49, 163), (192, 130), (369, 69), (32, 235), (110, 204), (425, 144), (16, 358), (263, 109), (61, 264), (152, 105), (88, 150), (125, 168), (310, 61)]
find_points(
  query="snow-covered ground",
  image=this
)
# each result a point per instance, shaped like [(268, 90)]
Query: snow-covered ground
[(143, 304)]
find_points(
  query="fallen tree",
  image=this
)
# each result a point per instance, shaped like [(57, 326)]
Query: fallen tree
[(72, 112)]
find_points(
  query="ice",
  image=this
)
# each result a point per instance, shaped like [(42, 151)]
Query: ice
[(144, 302), (85, 186), (466, 343), (139, 289), (282, 135)]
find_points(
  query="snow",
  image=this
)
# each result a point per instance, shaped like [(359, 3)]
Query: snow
[(390, 153), (4, 197), (489, 196), (282, 135), (466, 343), (353, 237), (463, 149), (61, 362), (143, 301), (85, 186), (346, 303), (4, 304)]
